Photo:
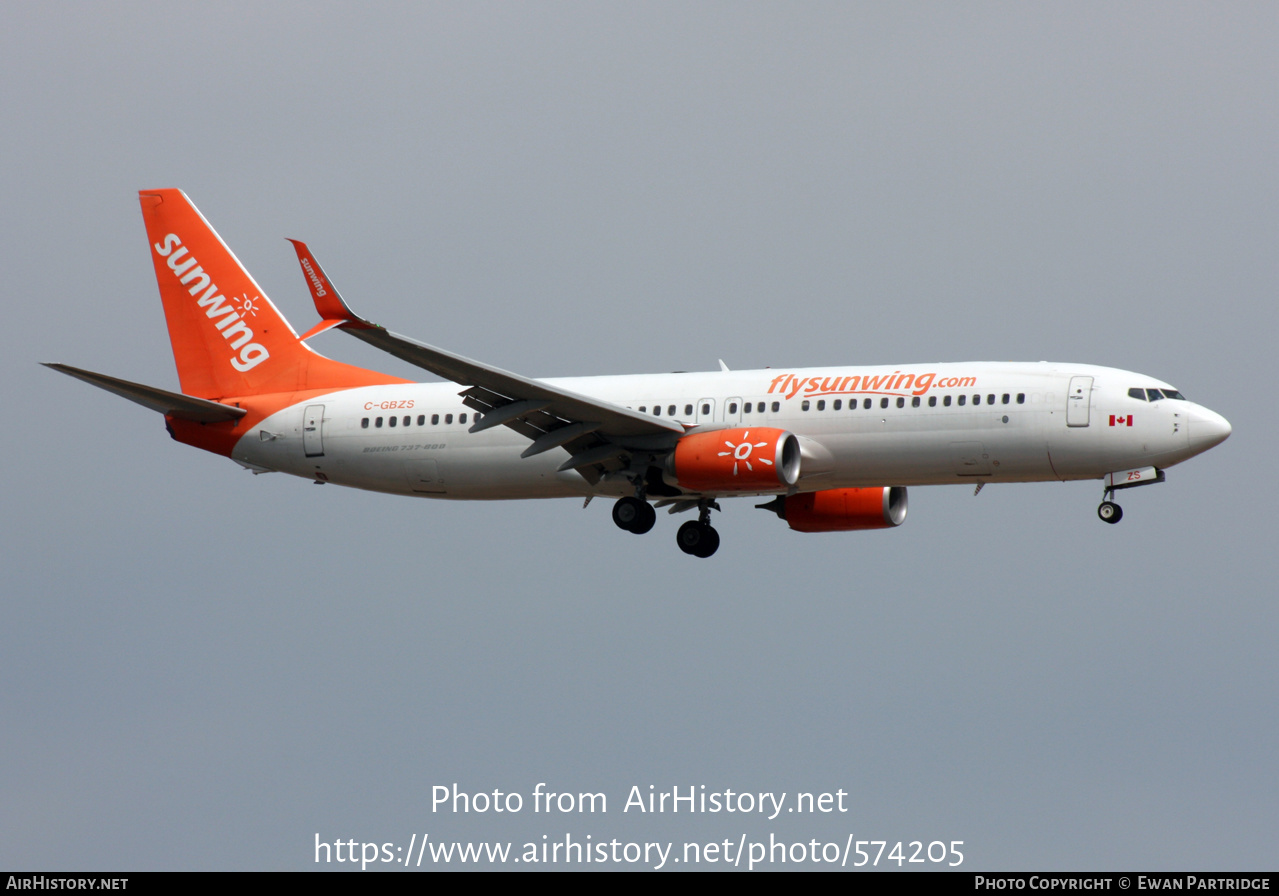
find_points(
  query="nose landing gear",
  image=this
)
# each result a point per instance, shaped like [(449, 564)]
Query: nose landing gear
[(1110, 512)]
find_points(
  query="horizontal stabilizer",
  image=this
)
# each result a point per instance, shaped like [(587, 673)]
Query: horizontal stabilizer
[(172, 404)]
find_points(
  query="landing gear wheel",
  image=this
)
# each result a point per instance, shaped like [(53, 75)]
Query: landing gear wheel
[(698, 539), (634, 515), (1110, 512), (626, 511), (645, 521)]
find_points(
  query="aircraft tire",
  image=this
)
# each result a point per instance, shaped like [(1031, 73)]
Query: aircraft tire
[(628, 512), (646, 519), (1110, 512), (697, 539), (710, 543), (689, 537)]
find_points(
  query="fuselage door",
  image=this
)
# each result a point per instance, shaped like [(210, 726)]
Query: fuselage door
[(705, 410), (1077, 400), (313, 430), (732, 410)]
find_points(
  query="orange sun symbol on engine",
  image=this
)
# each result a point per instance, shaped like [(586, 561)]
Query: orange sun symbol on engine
[(742, 452)]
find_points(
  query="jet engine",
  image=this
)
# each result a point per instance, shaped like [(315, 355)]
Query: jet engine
[(842, 509), (745, 459)]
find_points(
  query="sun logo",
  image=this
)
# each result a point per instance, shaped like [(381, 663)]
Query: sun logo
[(247, 305), (742, 452)]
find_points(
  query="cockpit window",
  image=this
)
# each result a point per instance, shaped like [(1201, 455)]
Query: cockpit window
[(1139, 394), (1154, 394), (1173, 393)]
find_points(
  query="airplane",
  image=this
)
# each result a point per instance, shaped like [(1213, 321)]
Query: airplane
[(834, 448)]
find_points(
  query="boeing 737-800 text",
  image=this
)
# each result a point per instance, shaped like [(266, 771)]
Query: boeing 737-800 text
[(834, 448)]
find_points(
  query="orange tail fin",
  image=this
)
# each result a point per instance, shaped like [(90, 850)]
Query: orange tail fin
[(228, 339)]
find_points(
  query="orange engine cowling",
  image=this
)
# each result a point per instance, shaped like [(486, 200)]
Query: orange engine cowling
[(746, 459), (842, 509)]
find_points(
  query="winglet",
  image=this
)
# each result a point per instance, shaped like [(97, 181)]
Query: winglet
[(332, 308)]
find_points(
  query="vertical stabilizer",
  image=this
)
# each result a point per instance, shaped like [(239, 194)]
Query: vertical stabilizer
[(228, 338)]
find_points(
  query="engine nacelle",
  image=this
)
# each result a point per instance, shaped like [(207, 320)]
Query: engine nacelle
[(746, 459), (842, 509)]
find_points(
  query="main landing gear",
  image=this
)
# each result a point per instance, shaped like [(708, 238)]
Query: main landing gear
[(696, 537), (634, 515)]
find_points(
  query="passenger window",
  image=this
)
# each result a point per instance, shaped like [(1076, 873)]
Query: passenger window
[(990, 399), (448, 418), (421, 419), (670, 412), (378, 423), (901, 402), (392, 421), (746, 408), (657, 410), (407, 420), (706, 409), (866, 405), (643, 409), (946, 401), (435, 419), (364, 424), (914, 402), (688, 410), (962, 399), (837, 405), (732, 408), (883, 402), (776, 407), (461, 419), (1006, 397), (821, 405), (1021, 397), (804, 406), (932, 401), (976, 399)]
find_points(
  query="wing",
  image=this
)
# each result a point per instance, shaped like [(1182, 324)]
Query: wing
[(600, 436)]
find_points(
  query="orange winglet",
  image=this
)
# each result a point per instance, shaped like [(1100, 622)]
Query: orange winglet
[(329, 303)]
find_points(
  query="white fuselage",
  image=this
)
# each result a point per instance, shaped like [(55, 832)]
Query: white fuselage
[(926, 424)]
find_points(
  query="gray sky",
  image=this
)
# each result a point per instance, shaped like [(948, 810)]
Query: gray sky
[(202, 669)]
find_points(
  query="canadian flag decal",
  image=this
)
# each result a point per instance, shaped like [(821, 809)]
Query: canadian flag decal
[(1121, 421)]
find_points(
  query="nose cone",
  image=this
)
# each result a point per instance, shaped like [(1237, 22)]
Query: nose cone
[(1207, 428)]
